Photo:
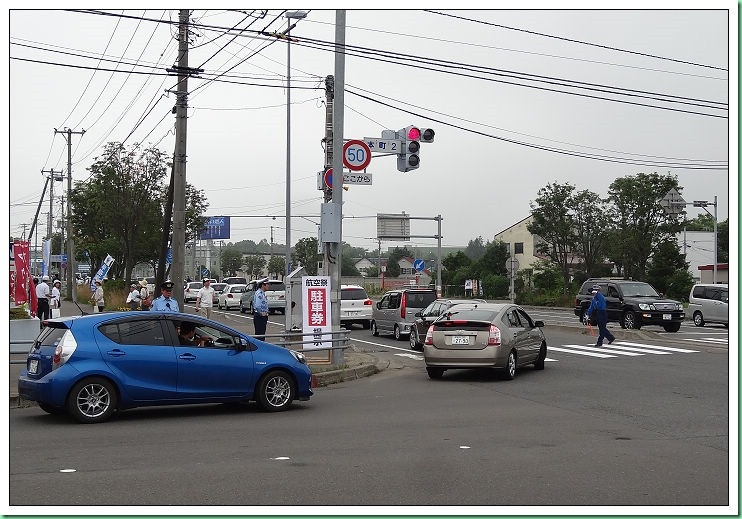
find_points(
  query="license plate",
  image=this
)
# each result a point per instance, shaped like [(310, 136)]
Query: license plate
[(351, 313), (33, 366), (460, 339), (667, 317)]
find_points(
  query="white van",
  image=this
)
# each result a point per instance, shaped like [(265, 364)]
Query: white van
[(709, 303)]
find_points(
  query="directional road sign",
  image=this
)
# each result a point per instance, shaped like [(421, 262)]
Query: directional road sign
[(356, 155), (419, 265)]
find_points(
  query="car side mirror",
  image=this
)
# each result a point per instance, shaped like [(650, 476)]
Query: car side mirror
[(378, 305), (539, 324)]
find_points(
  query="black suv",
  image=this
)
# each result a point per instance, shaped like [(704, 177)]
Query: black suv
[(632, 304)]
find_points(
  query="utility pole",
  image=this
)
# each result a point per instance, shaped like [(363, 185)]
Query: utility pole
[(338, 128), (54, 177), (179, 161), (71, 294)]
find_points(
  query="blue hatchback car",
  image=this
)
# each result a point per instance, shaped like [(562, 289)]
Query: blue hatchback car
[(91, 366)]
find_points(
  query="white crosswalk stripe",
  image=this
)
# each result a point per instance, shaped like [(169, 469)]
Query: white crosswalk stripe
[(710, 339), (618, 348), (664, 348), (579, 352)]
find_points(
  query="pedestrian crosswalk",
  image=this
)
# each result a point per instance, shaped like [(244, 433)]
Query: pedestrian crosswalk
[(617, 349)]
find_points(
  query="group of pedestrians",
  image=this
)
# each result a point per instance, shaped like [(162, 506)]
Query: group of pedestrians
[(139, 299)]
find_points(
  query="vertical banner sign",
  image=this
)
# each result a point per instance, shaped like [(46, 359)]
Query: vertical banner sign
[(102, 272), (46, 247), (317, 318), (25, 292)]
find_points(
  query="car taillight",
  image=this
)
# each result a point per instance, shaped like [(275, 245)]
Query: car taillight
[(368, 302), (64, 350), (229, 295), (495, 337), (403, 305), (429, 336)]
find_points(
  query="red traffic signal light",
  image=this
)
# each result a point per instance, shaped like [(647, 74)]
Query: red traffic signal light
[(413, 133)]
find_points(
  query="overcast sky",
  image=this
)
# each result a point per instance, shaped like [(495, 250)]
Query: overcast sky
[(672, 67)]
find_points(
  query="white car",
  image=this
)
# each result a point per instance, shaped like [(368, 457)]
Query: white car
[(230, 297), (355, 306), (190, 292)]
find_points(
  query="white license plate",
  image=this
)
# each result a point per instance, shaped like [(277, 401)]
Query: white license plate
[(667, 317), (351, 313), (33, 366), (459, 339)]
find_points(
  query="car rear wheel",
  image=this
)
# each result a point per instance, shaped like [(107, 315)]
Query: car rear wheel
[(509, 373), (540, 361), (435, 373), (92, 400), (397, 333), (242, 308), (413, 339), (630, 321), (698, 319), (275, 391), (374, 329)]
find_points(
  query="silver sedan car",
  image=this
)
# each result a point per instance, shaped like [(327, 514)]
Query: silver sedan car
[(484, 335)]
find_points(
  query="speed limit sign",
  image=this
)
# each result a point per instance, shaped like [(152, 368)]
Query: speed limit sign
[(356, 155)]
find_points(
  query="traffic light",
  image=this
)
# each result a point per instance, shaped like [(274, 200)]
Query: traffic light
[(427, 135), (407, 157)]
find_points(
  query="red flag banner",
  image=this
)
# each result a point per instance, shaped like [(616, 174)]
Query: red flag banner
[(23, 285)]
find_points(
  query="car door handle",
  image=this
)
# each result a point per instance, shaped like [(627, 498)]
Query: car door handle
[(187, 356), (116, 353)]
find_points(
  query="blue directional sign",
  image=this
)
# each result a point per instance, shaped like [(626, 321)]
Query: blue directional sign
[(217, 228), (419, 265)]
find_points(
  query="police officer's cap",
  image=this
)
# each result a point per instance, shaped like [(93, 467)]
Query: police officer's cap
[(167, 285)]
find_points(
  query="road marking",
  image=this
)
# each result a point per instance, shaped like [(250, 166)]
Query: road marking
[(710, 339), (665, 348), (380, 345), (616, 346), (576, 352), (410, 355)]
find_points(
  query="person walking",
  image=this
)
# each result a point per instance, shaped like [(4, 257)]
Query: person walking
[(145, 296), (165, 303), (43, 295), (598, 305), (260, 309), (205, 299), (133, 300), (98, 302), (56, 294)]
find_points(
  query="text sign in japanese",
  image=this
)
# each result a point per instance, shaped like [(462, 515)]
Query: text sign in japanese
[(317, 314), (383, 145), (365, 179)]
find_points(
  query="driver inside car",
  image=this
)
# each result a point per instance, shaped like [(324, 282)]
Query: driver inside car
[(187, 335)]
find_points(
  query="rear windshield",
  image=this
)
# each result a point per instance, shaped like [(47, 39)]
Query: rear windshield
[(353, 294), (472, 314), (276, 285), (195, 286), (420, 299)]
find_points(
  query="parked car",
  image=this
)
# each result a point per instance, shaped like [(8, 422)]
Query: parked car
[(218, 287), (709, 303), (355, 306), (190, 292), (396, 310), (230, 297), (425, 318), (235, 281), (484, 335), (94, 365), (276, 295), (632, 304)]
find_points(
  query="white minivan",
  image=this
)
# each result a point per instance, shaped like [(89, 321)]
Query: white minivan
[(709, 303)]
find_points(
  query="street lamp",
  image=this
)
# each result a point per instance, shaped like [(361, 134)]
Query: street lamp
[(703, 204), (290, 15)]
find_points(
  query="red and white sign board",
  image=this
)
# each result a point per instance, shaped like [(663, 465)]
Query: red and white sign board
[(317, 318), (356, 155)]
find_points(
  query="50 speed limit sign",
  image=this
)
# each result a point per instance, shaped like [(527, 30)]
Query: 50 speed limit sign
[(356, 155)]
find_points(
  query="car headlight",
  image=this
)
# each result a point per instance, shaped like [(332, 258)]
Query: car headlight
[(680, 306), (645, 306), (299, 356)]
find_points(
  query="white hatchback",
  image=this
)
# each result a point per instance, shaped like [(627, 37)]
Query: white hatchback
[(230, 297), (355, 306)]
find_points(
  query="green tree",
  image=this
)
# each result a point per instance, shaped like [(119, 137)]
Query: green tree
[(492, 261), (277, 267), (230, 260), (591, 222), (254, 265), (347, 266), (305, 254), (475, 249), (554, 223), (639, 221), (668, 270)]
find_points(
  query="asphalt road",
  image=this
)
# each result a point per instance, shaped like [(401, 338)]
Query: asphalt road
[(633, 428)]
